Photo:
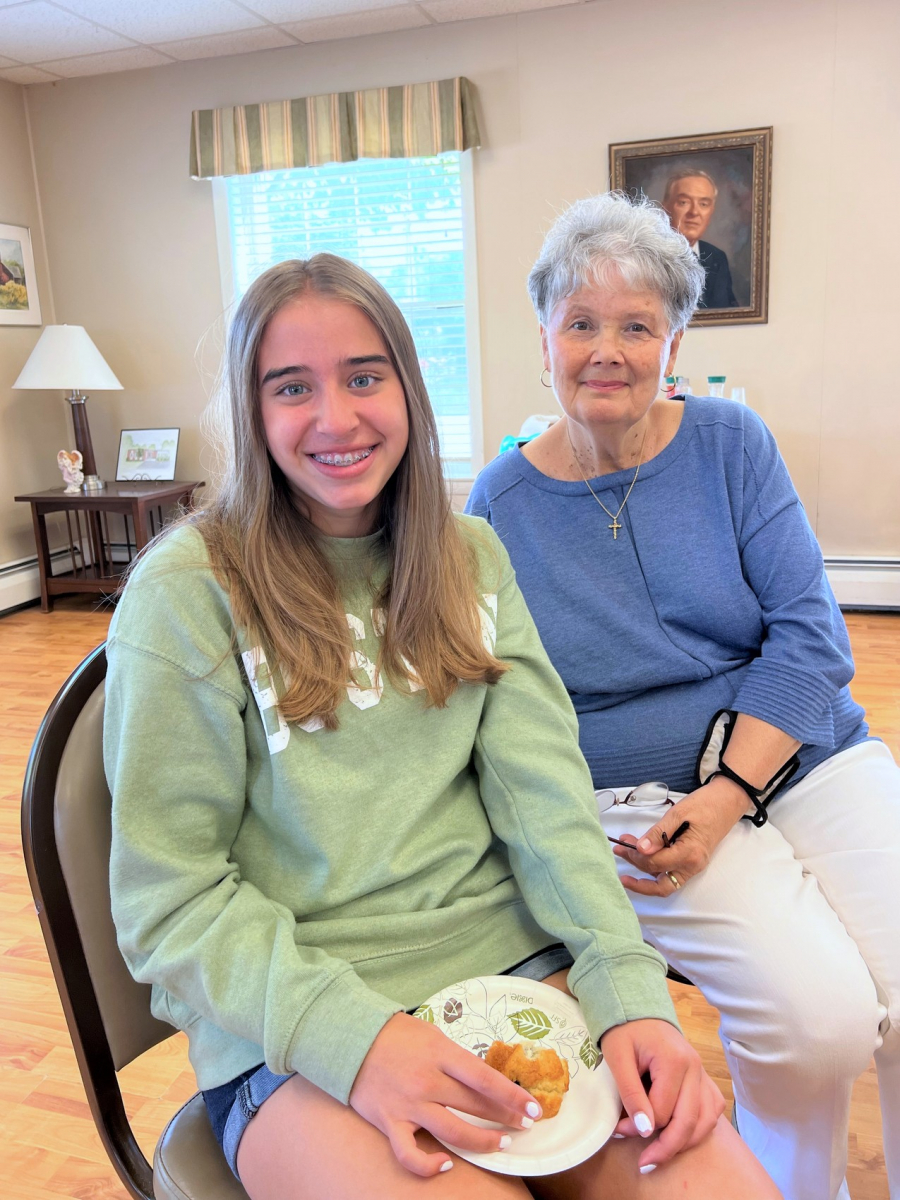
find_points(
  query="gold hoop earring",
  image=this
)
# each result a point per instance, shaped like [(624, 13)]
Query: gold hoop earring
[(546, 385)]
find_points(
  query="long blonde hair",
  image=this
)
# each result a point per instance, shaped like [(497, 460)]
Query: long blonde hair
[(269, 556)]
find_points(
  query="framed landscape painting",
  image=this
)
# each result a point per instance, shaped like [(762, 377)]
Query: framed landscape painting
[(716, 189), (147, 454), (19, 303)]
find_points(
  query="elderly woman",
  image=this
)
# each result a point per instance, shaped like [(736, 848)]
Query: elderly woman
[(680, 592)]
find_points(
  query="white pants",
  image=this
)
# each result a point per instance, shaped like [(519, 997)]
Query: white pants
[(792, 933)]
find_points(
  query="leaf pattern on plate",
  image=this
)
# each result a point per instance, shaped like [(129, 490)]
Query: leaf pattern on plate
[(497, 1016), (477, 991), (573, 1036), (531, 1023), (589, 1054), (477, 1011), (474, 1017), (453, 1010)]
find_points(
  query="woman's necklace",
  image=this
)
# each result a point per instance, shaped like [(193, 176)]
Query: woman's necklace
[(615, 527)]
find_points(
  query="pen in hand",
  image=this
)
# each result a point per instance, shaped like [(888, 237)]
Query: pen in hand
[(667, 841), (682, 828)]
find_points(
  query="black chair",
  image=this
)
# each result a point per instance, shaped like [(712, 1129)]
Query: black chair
[(66, 836)]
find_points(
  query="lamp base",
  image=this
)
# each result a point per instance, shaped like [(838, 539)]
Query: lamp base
[(93, 483)]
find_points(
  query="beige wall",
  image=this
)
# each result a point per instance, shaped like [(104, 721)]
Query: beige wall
[(32, 424), (131, 238)]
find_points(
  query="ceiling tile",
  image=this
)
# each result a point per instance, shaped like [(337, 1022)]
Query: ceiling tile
[(164, 20), (384, 20), (39, 31), (264, 38), (462, 10), (289, 12), (27, 75), (104, 64)]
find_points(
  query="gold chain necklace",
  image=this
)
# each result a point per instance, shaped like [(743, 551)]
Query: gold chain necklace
[(615, 527)]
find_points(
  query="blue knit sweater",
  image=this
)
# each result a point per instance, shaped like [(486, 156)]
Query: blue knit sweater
[(713, 596)]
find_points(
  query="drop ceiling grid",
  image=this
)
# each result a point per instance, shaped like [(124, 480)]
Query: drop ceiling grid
[(45, 40)]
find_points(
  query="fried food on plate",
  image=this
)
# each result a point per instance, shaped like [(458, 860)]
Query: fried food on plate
[(541, 1072)]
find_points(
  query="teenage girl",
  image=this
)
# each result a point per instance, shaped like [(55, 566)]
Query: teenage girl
[(361, 783)]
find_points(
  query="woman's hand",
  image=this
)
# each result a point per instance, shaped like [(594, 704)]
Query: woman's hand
[(413, 1074), (683, 1102), (711, 811)]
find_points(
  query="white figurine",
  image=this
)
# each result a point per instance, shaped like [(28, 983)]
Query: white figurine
[(70, 465)]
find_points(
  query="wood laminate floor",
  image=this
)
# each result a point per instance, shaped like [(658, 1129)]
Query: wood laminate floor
[(49, 1148)]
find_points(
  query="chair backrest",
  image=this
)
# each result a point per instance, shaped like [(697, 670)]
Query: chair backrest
[(66, 809)]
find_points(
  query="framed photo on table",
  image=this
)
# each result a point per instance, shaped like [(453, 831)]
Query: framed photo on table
[(147, 454), (717, 191), (19, 302)]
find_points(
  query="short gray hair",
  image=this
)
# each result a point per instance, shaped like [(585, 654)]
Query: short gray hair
[(688, 174), (614, 231)]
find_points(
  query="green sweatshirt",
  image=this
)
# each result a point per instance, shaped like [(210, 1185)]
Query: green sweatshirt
[(287, 890)]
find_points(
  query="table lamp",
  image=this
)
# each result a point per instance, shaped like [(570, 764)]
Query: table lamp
[(65, 357)]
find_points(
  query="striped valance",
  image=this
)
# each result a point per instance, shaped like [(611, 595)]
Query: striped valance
[(413, 120)]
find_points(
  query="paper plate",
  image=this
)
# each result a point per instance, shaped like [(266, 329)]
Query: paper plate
[(505, 1008)]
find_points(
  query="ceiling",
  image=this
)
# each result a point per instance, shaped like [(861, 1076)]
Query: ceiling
[(45, 40)]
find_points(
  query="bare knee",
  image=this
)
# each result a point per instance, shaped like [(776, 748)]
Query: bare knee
[(303, 1144), (720, 1166)]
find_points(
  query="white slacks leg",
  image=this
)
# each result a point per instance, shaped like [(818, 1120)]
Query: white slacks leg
[(791, 934)]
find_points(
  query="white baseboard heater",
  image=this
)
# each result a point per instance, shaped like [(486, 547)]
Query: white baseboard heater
[(868, 583)]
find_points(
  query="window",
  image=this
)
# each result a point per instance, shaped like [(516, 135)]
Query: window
[(403, 220)]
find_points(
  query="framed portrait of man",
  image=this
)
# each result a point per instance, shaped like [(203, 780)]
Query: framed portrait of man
[(717, 190)]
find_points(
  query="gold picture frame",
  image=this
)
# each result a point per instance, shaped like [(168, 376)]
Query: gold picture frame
[(731, 175)]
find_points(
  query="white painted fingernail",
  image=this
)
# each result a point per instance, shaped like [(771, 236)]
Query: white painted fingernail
[(447, 1165), (527, 1122), (505, 1142), (618, 1135), (649, 1167), (643, 1124), (879, 1042), (533, 1110), (882, 1012)]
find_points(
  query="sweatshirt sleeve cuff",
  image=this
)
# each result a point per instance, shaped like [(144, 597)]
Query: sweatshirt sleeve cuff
[(622, 989), (336, 1033), (793, 700)]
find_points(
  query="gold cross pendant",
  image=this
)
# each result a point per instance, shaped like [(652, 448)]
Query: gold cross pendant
[(615, 527)]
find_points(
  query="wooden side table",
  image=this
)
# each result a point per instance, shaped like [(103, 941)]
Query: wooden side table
[(90, 546)]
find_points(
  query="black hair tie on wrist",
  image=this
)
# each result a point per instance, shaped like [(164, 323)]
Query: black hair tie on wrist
[(709, 765), (760, 816)]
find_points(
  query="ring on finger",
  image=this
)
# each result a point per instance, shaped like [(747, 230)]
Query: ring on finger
[(673, 879)]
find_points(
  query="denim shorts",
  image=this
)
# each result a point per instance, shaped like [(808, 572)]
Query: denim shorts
[(232, 1106)]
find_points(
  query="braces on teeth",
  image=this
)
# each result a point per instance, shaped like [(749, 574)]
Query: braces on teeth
[(341, 460)]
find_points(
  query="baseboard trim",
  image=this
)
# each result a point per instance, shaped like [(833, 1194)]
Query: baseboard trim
[(865, 583), (20, 580)]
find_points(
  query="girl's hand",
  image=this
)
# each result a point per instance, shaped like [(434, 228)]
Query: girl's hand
[(683, 1102), (413, 1074), (711, 810)]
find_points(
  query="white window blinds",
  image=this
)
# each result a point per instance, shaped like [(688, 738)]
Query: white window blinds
[(401, 219)]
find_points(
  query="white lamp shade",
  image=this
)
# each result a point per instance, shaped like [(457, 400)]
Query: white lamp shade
[(65, 357)]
